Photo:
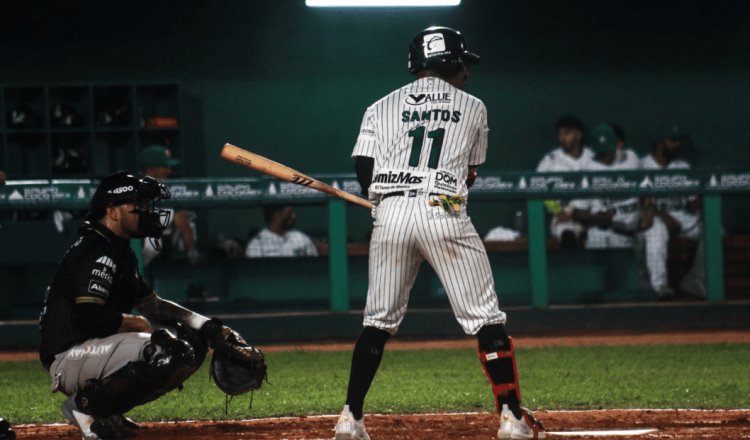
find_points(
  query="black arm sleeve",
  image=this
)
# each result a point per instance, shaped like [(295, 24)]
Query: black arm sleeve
[(97, 320), (363, 166)]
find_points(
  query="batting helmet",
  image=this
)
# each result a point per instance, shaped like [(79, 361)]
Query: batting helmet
[(439, 46), (145, 193)]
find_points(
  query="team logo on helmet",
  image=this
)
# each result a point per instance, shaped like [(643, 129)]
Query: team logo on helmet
[(433, 44)]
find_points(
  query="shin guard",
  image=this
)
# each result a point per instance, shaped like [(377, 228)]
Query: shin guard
[(498, 358)]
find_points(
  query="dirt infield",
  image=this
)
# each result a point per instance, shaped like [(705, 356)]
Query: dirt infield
[(655, 424), (668, 424)]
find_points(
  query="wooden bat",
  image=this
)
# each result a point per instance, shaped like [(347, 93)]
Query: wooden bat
[(240, 156)]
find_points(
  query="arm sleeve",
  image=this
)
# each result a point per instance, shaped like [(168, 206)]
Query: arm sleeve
[(478, 153), (364, 166), (367, 141)]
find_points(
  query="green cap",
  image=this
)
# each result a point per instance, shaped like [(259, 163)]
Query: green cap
[(157, 156), (603, 138)]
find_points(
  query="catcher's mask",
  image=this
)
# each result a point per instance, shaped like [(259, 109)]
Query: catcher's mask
[(144, 192)]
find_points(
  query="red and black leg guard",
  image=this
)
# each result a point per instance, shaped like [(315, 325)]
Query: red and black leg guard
[(499, 363)]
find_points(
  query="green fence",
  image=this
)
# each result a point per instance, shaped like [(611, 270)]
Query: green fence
[(532, 187)]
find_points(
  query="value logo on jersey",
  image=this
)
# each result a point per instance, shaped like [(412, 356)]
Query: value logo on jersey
[(428, 98)]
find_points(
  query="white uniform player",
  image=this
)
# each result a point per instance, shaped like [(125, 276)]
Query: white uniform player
[(570, 156), (655, 239), (625, 212), (421, 144)]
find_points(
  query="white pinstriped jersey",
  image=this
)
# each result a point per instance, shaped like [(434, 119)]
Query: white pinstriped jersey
[(423, 137), (269, 244)]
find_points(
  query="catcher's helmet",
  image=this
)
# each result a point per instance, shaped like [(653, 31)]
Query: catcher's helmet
[(144, 192), (439, 46)]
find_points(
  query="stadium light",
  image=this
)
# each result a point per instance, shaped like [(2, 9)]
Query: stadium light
[(379, 3)]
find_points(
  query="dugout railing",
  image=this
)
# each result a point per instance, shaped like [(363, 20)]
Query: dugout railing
[(534, 188)]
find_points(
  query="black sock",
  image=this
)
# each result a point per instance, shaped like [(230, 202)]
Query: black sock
[(365, 362), (493, 338)]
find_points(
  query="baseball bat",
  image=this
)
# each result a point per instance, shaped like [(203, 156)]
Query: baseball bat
[(248, 159)]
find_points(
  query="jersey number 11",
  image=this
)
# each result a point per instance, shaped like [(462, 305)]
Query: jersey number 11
[(418, 141)]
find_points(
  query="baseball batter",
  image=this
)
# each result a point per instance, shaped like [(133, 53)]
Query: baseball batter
[(102, 357), (416, 157)]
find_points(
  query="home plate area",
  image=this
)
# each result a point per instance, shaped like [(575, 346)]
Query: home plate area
[(599, 424)]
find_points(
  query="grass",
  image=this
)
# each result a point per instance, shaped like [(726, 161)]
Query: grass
[(413, 381)]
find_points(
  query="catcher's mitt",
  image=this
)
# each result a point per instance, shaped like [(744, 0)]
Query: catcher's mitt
[(236, 367)]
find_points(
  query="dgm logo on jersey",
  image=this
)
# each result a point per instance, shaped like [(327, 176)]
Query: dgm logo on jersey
[(401, 177), (428, 98)]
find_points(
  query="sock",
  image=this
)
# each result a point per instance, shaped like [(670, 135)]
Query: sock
[(368, 352)]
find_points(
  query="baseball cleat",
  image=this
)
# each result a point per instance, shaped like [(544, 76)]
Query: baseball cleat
[(347, 428), (82, 421), (525, 428)]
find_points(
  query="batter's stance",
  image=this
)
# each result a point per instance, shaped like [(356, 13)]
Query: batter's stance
[(105, 359), (416, 156)]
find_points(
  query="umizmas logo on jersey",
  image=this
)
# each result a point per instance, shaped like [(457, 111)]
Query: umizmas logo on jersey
[(428, 98), (397, 178)]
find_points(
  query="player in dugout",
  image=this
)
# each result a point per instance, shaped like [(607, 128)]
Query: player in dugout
[(105, 359)]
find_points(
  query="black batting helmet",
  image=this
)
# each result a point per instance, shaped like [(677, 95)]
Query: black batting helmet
[(144, 192), (439, 46)]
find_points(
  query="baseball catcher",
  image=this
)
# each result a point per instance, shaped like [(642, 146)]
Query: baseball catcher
[(107, 360)]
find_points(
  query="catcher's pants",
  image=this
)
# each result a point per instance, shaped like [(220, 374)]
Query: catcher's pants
[(95, 359), (408, 231)]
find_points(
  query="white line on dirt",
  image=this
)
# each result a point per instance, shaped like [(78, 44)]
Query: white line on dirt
[(621, 432)]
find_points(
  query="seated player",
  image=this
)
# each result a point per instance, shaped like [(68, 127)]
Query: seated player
[(612, 222), (678, 216), (279, 238), (570, 156)]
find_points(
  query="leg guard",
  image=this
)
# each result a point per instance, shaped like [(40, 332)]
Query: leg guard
[(167, 363), (498, 360)]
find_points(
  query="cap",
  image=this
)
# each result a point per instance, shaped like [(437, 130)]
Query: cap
[(603, 138), (157, 156)]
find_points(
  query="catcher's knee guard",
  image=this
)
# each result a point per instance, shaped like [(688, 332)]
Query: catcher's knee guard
[(167, 363), (498, 359)]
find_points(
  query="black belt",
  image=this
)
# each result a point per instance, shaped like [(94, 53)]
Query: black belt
[(410, 193)]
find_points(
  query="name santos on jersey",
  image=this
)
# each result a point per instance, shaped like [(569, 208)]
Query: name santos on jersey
[(430, 115)]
